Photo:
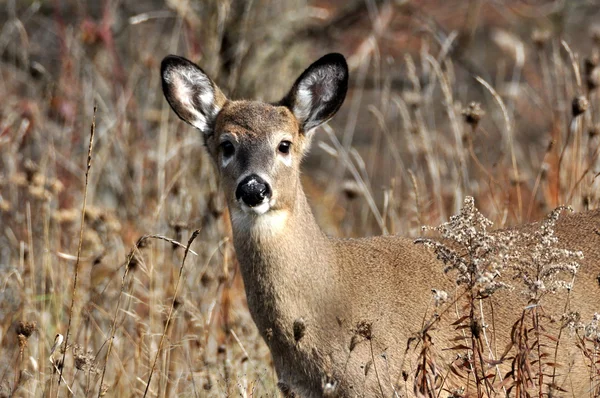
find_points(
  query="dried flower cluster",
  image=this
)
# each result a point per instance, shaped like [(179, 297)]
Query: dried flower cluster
[(439, 297), (483, 262), (590, 331), (480, 257), (542, 266), (473, 114), (580, 105), (85, 360), (588, 342), (467, 247)]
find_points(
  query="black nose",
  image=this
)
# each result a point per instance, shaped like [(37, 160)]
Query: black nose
[(253, 190)]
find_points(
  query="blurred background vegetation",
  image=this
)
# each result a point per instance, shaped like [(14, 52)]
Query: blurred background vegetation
[(494, 99)]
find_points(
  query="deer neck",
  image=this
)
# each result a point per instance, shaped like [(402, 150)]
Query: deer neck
[(284, 258)]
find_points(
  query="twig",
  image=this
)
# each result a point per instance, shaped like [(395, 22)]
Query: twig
[(509, 134), (375, 367), (162, 337), (60, 373), (114, 324), (130, 257), (85, 190)]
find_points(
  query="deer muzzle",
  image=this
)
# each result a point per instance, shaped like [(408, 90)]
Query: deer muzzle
[(253, 191)]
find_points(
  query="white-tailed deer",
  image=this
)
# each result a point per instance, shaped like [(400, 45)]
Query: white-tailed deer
[(335, 313)]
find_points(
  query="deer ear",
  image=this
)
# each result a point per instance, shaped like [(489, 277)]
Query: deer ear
[(194, 97), (319, 91)]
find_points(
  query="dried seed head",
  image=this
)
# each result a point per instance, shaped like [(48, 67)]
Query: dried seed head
[(19, 179), (206, 279), (590, 62), (30, 169), (66, 216), (364, 329), (517, 179), (580, 105), (26, 329), (178, 227), (40, 193), (591, 70), (571, 319), (412, 98), (56, 186), (38, 179), (472, 114), (22, 342), (544, 170), (595, 34), (94, 214), (299, 329), (439, 297), (540, 37), (593, 79), (457, 393), (351, 189), (84, 360)]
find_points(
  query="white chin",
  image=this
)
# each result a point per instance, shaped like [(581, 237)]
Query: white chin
[(256, 210)]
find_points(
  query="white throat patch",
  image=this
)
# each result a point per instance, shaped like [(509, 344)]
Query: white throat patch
[(267, 224)]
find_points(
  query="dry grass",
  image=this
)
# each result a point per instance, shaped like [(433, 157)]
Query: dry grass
[(417, 135)]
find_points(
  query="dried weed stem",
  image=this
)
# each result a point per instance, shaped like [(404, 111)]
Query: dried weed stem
[(76, 272)]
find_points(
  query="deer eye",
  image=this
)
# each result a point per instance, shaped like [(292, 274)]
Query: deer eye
[(227, 149), (284, 147)]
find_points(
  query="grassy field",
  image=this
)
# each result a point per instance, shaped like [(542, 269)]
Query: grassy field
[(495, 100)]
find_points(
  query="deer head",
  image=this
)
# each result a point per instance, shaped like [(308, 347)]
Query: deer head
[(257, 147)]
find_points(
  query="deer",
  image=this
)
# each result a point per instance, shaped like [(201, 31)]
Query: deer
[(311, 295)]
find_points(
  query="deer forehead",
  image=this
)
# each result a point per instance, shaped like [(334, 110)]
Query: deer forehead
[(255, 120)]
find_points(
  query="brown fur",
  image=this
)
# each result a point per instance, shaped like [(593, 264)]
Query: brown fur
[(341, 311), (334, 285)]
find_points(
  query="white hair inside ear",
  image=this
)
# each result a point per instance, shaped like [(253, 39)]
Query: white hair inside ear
[(190, 92), (319, 92), (196, 94), (303, 105)]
